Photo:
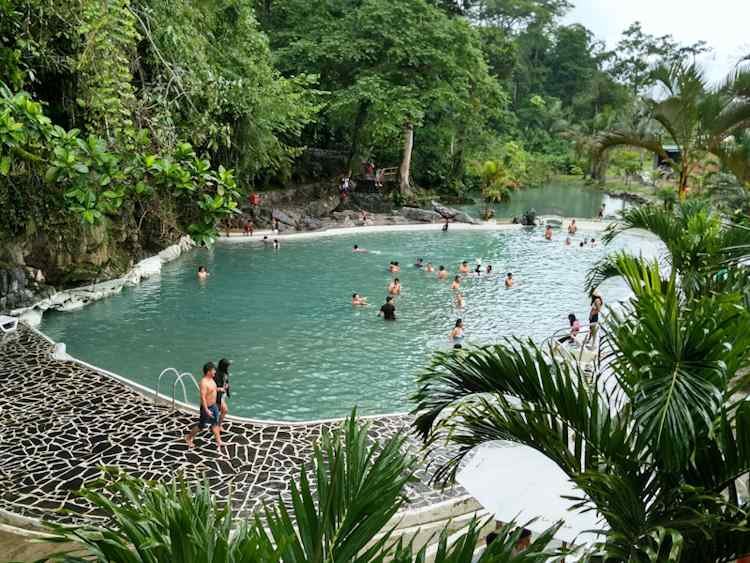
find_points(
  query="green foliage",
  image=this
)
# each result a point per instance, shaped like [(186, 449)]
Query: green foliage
[(340, 512), (656, 443), (85, 176)]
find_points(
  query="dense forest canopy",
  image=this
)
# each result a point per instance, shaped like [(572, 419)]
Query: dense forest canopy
[(163, 114)]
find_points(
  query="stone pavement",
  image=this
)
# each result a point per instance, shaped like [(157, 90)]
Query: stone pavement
[(62, 421)]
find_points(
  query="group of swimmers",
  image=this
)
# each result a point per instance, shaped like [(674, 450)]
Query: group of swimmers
[(572, 229), (388, 310)]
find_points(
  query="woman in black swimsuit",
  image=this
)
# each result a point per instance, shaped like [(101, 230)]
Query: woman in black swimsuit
[(222, 386), (596, 308)]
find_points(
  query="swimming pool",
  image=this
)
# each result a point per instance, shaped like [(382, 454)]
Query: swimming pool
[(300, 350)]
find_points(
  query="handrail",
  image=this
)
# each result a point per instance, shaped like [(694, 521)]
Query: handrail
[(178, 379), (553, 344)]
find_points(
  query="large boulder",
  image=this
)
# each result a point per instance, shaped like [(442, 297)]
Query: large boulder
[(461, 217), (422, 215), (443, 211), (310, 224), (284, 218)]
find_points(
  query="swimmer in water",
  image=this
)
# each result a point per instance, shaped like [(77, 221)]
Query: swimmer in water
[(357, 299), (442, 273), (572, 228), (358, 249), (593, 242), (394, 288), (567, 241), (418, 263), (276, 244), (457, 334), (394, 267), (459, 300), (509, 280), (202, 273), (266, 241), (478, 270), (456, 282), (488, 271), (548, 232), (428, 268), (464, 267)]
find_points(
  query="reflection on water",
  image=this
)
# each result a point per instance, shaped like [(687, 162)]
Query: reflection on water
[(299, 349), (568, 201)]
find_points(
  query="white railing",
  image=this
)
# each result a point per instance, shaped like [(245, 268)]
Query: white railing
[(178, 378)]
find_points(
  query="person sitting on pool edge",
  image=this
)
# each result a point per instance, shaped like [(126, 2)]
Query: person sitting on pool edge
[(388, 311), (357, 299), (202, 273), (442, 273), (394, 288), (509, 280)]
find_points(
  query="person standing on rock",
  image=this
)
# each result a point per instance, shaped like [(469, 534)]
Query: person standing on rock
[(209, 410)]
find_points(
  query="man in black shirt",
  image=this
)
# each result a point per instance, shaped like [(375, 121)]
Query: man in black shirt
[(388, 311)]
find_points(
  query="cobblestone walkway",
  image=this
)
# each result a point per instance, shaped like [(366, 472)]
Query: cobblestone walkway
[(62, 421)]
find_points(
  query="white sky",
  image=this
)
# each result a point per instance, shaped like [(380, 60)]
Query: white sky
[(723, 24)]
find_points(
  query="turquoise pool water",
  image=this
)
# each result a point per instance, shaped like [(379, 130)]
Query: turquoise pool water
[(300, 350), (552, 199)]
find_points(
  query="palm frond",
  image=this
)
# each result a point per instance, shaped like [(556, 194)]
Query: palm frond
[(640, 274), (358, 490)]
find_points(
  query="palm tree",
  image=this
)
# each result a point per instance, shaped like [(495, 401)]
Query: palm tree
[(695, 117), (659, 457), (702, 246), (358, 490)]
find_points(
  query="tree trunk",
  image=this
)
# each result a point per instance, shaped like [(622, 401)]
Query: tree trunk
[(359, 121), (682, 187), (405, 170)]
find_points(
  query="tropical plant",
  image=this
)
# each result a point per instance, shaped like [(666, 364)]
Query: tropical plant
[(659, 456), (702, 246), (697, 118), (341, 511)]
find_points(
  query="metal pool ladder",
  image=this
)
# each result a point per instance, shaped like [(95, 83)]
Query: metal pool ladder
[(178, 378)]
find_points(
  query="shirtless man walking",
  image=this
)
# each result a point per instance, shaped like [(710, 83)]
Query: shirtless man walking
[(209, 410)]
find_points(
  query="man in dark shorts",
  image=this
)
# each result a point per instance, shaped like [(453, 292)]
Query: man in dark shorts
[(209, 410), (388, 311)]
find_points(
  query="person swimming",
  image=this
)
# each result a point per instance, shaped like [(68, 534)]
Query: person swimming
[(358, 249), (478, 270), (357, 299), (394, 288), (464, 267), (266, 242), (442, 273), (429, 268), (592, 243), (276, 244), (418, 263), (509, 280), (458, 300), (548, 232), (572, 228), (202, 273), (581, 244), (456, 282), (394, 267), (457, 334), (567, 241), (488, 270)]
